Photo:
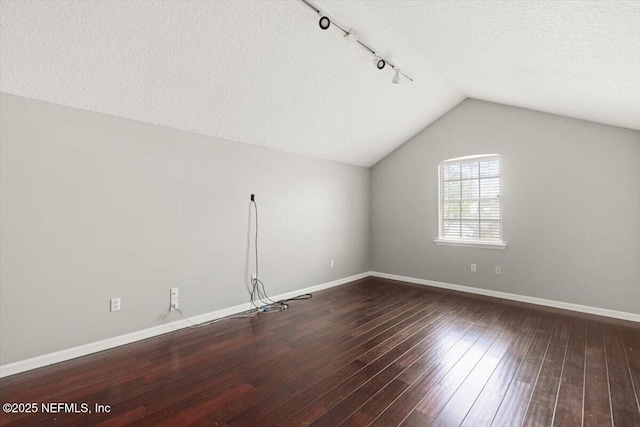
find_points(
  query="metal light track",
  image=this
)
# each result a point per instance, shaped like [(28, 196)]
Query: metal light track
[(347, 32)]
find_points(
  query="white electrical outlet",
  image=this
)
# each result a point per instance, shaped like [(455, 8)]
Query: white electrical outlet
[(333, 263), (473, 267), (115, 304), (252, 278), (498, 270), (173, 299)]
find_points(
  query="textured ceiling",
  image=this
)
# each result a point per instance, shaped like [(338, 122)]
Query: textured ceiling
[(263, 73), (259, 72), (574, 58)]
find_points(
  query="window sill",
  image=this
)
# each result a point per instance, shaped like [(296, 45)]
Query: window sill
[(471, 244)]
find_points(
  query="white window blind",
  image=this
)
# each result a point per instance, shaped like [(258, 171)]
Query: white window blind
[(470, 199)]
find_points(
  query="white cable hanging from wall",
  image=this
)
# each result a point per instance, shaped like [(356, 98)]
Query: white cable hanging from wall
[(350, 34)]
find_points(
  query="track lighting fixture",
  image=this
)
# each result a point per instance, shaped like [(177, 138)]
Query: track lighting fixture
[(396, 76), (350, 34), (324, 22)]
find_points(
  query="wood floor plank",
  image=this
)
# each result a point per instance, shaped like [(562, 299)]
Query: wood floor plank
[(483, 410), (473, 368), (597, 399), (623, 397), (340, 400), (518, 395), (631, 343), (336, 370), (474, 333), (511, 361), (418, 385), (542, 402), (372, 352), (569, 402), (503, 375)]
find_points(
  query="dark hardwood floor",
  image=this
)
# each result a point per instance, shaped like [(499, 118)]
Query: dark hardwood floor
[(372, 352)]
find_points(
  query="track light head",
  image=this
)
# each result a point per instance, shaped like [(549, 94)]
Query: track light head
[(379, 62), (396, 76), (324, 22)]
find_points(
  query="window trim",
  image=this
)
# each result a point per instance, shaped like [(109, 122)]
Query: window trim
[(487, 244)]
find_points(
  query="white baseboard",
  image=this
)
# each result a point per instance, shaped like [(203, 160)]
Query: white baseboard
[(515, 297), (83, 350)]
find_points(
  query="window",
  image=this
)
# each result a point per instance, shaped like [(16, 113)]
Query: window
[(469, 202)]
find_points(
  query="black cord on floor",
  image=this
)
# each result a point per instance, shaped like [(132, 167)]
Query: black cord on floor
[(259, 297), (259, 300), (298, 298)]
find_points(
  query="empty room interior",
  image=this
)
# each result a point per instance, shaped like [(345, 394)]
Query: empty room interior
[(320, 213)]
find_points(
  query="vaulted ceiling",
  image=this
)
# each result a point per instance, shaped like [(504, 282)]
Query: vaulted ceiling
[(263, 73)]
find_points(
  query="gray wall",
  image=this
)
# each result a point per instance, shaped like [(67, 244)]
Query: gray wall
[(571, 206), (94, 207)]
